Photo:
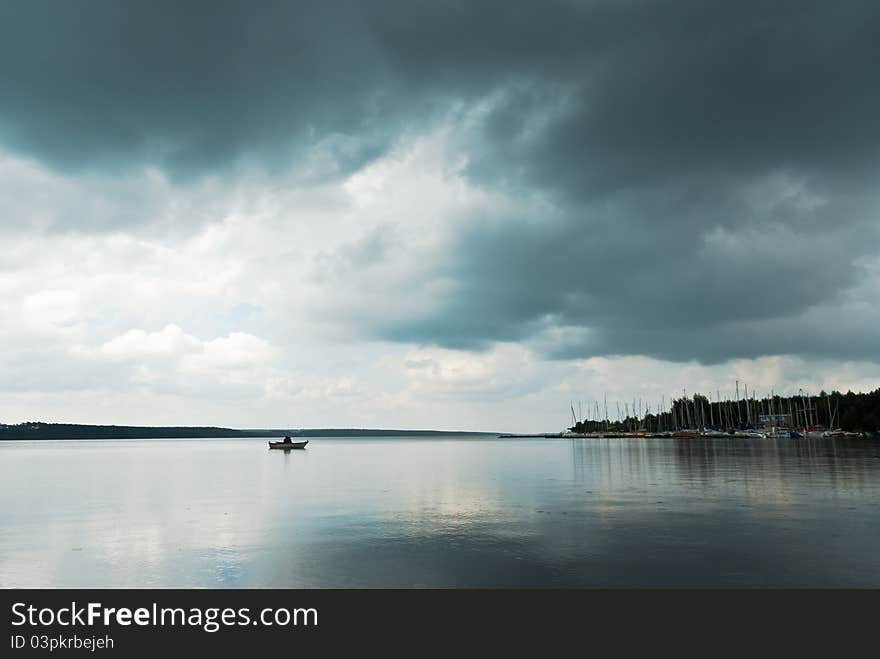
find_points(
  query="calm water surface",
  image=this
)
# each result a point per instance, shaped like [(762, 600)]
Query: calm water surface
[(440, 512)]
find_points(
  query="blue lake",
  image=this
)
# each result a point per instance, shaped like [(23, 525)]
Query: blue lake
[(450, 512)]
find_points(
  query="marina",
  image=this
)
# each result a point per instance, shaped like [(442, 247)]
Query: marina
[(746, 415)]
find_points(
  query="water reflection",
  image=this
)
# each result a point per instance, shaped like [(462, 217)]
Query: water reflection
[(452, 512)]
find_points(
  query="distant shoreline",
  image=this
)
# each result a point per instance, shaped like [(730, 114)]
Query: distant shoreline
[(71, 431)]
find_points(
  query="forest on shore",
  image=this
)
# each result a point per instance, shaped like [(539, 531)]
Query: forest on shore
[(41, 430), (850, 412)]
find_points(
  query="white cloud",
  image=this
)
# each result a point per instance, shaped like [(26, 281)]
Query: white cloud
[(249, 306), (236, 352), (139, 344), (163, 359), (506, 371)]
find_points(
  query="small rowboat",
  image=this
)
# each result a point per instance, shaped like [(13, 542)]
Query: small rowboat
[(289, 445)]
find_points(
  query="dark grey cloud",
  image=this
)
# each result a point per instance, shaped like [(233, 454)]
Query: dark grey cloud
[(190, 88), (712, 171), (680, 84), (635, 279), (721, 88), (196, 87), (707, 169)]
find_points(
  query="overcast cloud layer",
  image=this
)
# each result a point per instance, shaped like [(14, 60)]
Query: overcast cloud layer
[(434, 214)]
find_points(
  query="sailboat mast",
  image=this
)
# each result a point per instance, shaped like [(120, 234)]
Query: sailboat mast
[(737, 404), (606, 411)]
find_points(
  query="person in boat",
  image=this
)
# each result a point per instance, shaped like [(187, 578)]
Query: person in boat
[(287, 439)]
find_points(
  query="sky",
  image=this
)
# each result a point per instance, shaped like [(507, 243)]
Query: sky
[(449, 215)]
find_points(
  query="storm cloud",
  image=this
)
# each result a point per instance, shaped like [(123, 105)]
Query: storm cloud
[(684, 180), (199, 87), (634, 86)]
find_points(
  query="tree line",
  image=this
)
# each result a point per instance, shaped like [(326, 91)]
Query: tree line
[(850, 412)]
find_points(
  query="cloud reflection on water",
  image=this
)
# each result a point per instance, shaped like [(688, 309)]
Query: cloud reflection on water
[(467, 512)]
